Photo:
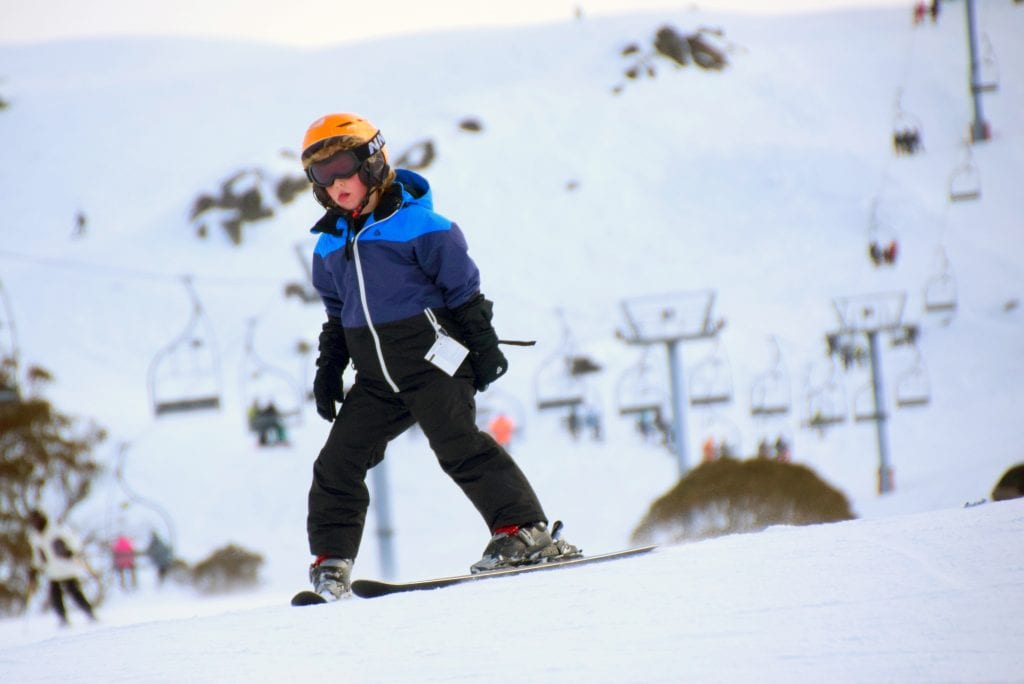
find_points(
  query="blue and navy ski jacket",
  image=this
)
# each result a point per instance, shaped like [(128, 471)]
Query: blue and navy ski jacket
[(396, 267)]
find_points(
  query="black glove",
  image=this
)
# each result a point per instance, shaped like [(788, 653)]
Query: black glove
[(488, 365), (328, 387), (478, 334)]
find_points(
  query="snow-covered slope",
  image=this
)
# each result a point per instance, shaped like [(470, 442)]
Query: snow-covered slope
[(757, 183), (912, 598)]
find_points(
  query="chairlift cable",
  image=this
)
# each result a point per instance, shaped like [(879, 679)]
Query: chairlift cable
[(126, 272)]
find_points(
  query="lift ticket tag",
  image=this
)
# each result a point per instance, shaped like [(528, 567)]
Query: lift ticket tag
[(446, 353)]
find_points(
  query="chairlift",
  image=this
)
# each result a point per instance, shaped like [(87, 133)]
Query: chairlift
[(184, 376), (555, 387), (264, 385), (825, 402), (640, 389), (883, 243), (558, 382), (940, 291), (136, 498), (965, 183), (711, 380), (988, 68), (9, 390), (906, 136), (913, 387), (769, 395), (864, 405)]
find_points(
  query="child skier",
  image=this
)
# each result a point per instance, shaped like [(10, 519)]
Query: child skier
[(403, 303)]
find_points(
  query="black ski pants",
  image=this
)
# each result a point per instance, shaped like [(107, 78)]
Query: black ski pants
[(74, 589), (370, 417)]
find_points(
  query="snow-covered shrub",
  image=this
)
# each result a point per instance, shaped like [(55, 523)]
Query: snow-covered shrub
[(729, 496)]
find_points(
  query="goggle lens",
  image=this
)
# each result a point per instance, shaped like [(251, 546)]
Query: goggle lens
[(344, 164)]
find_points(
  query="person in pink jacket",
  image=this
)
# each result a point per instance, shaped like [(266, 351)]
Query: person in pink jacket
[(124, 562)]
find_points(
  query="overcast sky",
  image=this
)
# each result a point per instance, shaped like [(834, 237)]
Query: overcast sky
[(319, 22)]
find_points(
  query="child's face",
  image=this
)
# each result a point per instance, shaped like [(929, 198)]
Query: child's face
[(347, 193)]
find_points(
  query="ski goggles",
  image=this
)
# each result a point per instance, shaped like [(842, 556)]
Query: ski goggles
[(343, 164)]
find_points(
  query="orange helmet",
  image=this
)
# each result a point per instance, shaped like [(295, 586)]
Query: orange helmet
[(333, 126), (370, 148)]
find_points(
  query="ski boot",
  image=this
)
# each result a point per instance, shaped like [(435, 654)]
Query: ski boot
[(518, 545), (331, 577)]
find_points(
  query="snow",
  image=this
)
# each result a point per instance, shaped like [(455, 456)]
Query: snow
[(757, 183), (323, 22)]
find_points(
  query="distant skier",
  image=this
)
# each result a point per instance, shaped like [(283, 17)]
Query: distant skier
[(161, 555), (883, 256), (124, 562), (502, 428), (403, 302), (709, 450), (782, 452), (920, 9), (268, 423), (57, 554)]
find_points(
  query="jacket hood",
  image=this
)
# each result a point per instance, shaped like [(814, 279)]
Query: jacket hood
[(416, 187)]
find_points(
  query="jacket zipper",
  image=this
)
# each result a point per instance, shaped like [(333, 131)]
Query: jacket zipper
[(366, 305)]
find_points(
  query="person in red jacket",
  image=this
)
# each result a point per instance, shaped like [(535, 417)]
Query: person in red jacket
[(502, 428)]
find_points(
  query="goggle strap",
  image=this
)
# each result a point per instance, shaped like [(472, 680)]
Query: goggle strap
[(370, 147), (362, 153)]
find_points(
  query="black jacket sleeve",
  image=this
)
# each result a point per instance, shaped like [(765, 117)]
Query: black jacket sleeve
[(333, 347), (474, 317)]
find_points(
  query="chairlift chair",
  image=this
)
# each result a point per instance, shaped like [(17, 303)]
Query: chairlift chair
[(913, 387), (711, 381), (906, 133), (639, 391), (965, 183), (864, 405), (556, 388), (558, 382), (825, 402), (988, 68), (769, 395), (940, 294), (184, 376), (823, 410), (883, 242), (940, 291), (264, 383)]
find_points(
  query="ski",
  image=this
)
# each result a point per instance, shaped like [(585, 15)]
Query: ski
[(367, 588), (308, 598)]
